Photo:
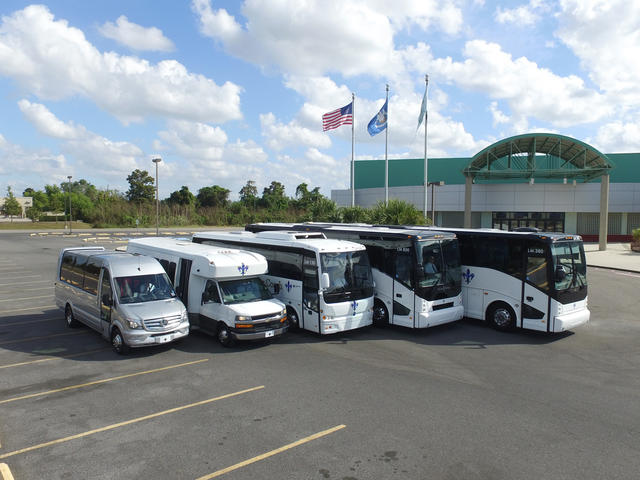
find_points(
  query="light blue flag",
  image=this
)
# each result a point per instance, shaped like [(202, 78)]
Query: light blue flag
[(379, 122), (423, 109)]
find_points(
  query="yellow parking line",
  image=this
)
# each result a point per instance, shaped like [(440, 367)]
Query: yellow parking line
[(302, 441), (23, 340), (49, 359), (27, 276), (128, 422), (5, 473), (2, 312), (26, 298), (103, 234), (98, 382), (84, 234)]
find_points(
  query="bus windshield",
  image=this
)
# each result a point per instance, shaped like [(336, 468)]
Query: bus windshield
[(569, 267), (349, 275), (144, 288), (243, 291), (439, 275)]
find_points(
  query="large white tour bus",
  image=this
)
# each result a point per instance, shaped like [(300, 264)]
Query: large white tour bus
[(536, 281), (326, 284), (417, 273)]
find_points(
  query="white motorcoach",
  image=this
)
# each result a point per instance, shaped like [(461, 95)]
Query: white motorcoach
[(326, 284), (221, 288), (416, 273), (127, 298)]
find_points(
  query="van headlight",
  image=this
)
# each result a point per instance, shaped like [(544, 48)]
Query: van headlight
[(185, 316), (284, 311), (133, 324), (243, 318)]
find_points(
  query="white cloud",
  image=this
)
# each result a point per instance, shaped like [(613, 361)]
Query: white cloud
[(498, 116), (605, 36), (279, 136), (95, 155), (315, 37), (54, 61), (136, 36), (523, 15), (618, 137)]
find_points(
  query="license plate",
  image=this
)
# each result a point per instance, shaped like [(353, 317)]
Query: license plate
[(164, 339), (268, 334)]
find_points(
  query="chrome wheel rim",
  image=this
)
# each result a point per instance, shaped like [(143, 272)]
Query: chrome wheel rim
[(378, 314), (117, 341), (502, 317), (223, 335), (69, 317)]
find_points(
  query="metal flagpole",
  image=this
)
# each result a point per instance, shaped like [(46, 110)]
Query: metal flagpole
[(426, 178), (353, 141), (386, 160)]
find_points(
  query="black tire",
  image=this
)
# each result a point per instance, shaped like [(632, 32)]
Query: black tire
[(501, 317), (380, 314), (294, 319), (69, 318), (224, 336), (118, 343)]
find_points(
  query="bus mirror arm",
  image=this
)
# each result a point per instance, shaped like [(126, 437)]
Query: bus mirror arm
[(560, 273)]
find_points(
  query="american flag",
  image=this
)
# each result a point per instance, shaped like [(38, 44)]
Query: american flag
[(340, 116)]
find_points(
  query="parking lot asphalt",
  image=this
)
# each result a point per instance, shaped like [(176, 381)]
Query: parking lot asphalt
[(456, 401)]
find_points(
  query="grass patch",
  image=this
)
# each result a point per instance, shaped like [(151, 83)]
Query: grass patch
[(41, 225)]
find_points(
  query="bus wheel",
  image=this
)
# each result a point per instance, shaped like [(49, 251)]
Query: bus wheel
[(117, 341), (501, 316), (294, 321), (380, 314), (224, 336), (70, 319)]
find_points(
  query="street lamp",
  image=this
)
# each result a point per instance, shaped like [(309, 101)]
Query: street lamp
[(157, 161), (433, 186), (70, 217)]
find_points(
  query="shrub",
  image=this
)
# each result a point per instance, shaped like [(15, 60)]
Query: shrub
[(636, 235)]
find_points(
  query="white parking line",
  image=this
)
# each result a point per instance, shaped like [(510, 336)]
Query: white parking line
[(25, 298), (24, 283)]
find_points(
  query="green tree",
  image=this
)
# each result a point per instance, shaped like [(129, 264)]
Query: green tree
[(214, 196), (396, 212), (182, 197), (273, 197), (11, 206), (40, 203), (249, 194), (141, 187), (57, 198)]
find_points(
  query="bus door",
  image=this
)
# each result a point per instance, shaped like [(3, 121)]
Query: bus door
[(106, 302), (535, 301), (403, 293), (310, 318), (182, 287)]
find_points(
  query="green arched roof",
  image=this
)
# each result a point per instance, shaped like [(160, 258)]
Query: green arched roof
[(538, 155)]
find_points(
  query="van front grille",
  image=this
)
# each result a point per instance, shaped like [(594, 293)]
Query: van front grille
[(161, 324)]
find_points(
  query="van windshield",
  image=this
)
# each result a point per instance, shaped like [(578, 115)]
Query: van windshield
[(243, 291), (144, 288)]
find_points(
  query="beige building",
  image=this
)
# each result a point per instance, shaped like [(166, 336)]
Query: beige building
[(25, 202)]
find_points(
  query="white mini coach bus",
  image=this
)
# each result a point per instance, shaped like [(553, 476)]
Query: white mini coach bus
[(221, 288), (326, 284), (127, 298), (416, 273)]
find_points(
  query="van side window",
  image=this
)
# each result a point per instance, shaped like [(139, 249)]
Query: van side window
[(169, 267), (77, 271), (65, 267), (91, 274), (211, 290)]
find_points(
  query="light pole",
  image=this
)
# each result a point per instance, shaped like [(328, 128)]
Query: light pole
[(433, 186), (70, 217), (157, 161)]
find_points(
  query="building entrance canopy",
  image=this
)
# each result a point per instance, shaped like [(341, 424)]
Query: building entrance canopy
[(538, 155)]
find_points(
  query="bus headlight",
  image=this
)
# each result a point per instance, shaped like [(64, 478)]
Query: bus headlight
[(133, 324)]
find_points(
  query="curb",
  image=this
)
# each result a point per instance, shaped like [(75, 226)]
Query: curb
[(5, 473), (615, 268)]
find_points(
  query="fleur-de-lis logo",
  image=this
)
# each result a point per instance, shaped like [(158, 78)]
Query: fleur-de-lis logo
[(468, 276), (354, 305), (288, 286), (243, 269)]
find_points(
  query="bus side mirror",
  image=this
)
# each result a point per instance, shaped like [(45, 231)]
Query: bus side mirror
[(419, 272), (560, 273), (106, 300), (325, 282)]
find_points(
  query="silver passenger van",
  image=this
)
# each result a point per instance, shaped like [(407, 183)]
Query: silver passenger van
[(127, 298)]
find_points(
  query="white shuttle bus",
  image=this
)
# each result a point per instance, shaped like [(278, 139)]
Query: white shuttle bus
[(127, 298), (221, 288), (326, 284), (416, 273)]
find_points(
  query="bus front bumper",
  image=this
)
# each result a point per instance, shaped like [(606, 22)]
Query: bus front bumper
[(440, 317), (348, 322), (571, 320)]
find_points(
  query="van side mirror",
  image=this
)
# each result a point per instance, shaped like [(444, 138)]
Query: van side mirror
[(560, 273), (106, 300), (325, 282)]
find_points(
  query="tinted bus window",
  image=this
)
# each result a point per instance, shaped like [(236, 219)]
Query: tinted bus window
[(537, 265)]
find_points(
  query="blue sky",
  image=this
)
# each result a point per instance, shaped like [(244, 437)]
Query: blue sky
[(226, 92)]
